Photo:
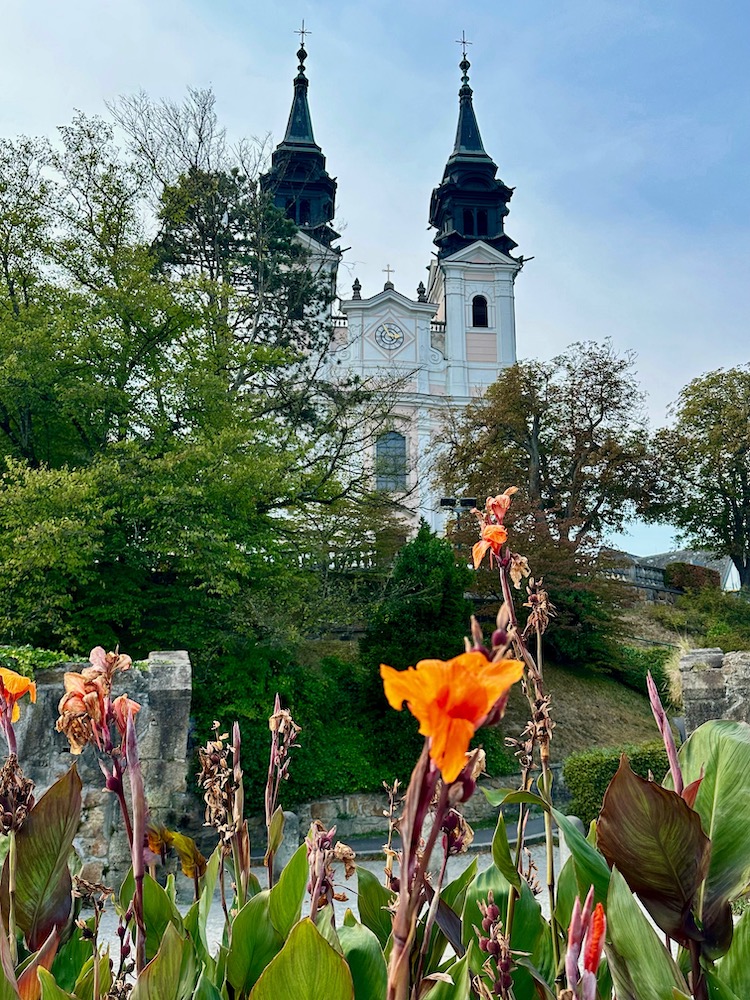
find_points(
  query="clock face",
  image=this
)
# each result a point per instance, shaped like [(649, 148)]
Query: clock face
[(389, 335)]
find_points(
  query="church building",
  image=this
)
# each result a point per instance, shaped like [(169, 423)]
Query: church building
[(446, 345)]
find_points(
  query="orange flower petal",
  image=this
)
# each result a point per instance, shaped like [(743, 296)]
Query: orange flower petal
[(478, 551), (450, 699)]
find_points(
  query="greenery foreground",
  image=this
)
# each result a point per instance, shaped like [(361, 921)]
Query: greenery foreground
[(642, 909)]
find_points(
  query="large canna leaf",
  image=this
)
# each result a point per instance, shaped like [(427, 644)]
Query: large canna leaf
[(171, 974), (364, 956), (255, 941), (374, 900), (501, 854), (28, 982), (50, 989), (43, 884), (285, 901), (734, 967), (460, 986), (588, 864), (722, 750), (655, 840), (641, 967), (306, 968)]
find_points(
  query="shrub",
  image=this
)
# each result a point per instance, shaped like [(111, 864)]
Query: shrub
[(634, 664), (687, 576), (587, 774), (27, 660)]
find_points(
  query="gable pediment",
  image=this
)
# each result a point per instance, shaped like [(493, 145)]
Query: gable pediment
[(480, 253)]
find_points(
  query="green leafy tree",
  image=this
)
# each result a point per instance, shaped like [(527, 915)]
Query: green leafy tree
[(700, 478), (162, 360), (570, 433)]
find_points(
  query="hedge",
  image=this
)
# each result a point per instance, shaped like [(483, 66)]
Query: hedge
[(687, 576), (588, 774)]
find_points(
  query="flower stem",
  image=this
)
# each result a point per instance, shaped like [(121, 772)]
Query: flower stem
[(12, 868)]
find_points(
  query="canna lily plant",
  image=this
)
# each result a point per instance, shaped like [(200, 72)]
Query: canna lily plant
[(658, 872)]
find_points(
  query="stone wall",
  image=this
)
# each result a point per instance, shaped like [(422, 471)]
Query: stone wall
[(715, 685), (363, 813), (163, 690)]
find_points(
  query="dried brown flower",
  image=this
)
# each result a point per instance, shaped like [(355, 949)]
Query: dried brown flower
[(216, 779), (16, 795)]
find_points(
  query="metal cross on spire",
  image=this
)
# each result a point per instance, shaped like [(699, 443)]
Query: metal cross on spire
[(463, 41), (302, 32), (388, 271)]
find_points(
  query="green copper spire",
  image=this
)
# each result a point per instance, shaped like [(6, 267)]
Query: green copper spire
[(468, 139), (299, 127)]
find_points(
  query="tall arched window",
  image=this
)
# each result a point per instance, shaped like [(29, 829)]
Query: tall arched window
[(482, 222), (468, 222), (479, 311), (390, 462), (304, 213)]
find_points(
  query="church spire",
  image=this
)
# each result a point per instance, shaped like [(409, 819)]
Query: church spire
[(471, 202), (298, 181), (468, 139), (299, 127)]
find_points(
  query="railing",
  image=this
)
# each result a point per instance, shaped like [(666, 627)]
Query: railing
[(436, 327), (340, 322)]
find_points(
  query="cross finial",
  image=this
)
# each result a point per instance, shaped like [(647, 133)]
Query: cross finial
[(388, 271), (463, 41), (302, 32)]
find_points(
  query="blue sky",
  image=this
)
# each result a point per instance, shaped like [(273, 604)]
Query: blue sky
[(623, 125)]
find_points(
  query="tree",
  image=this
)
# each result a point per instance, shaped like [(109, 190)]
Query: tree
[(570, 433), (700, 467), (162, 358)]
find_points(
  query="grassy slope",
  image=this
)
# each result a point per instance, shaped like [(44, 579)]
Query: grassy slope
[(589, 710)]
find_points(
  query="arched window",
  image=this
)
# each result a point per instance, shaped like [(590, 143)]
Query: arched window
[(468, 222), (291, 209), (304, 213), (482, 222), (390, 462), (479, 311)]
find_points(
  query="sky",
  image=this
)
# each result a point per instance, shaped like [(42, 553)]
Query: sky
[(624, 127)]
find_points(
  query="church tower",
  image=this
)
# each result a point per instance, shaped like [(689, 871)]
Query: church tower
[(298, 180), (472, 280)]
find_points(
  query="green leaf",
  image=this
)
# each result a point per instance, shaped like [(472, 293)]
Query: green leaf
[(205, 990), (717, 988), (158, 912), (275, 833), (655, 840), (722, 750), (84, 986), (461, 987), (365, 959), (734, 967), (374, 900), (641, 967), (285, 901), (590, 866), (70, 958), (513, 796), (501, 854), (306, 968), (43, 884), (448, 927), (170, 975), (50, 989), (255, 941)]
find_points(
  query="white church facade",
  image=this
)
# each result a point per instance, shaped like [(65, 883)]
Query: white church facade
[(442, 348)]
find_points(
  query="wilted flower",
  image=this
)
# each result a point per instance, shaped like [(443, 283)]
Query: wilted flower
[(493, 534), (518, 569), (457, 834), (16, 795), (216, 778), (451, 699), (123, 707)]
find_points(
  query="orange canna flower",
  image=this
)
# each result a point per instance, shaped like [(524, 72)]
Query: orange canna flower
[(451, 699), (13, 687), (498, 505), (493, 537)]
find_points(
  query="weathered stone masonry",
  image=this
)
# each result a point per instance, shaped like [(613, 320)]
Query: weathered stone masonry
[(715, 685), (163, 691)]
